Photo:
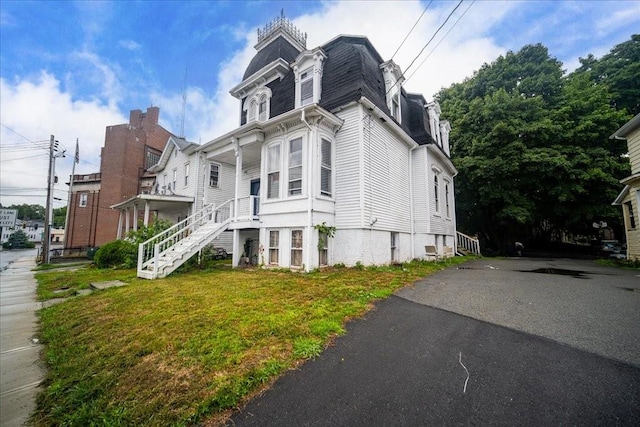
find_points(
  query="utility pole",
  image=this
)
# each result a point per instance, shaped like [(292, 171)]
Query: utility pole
[(46, 240)]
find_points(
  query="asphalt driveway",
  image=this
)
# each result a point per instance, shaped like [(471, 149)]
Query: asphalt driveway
[(500, 342)]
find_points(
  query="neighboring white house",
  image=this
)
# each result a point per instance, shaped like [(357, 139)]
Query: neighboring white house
[(327, 136), (629, 197), (33, 229)]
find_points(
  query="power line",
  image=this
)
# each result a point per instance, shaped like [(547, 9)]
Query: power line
[(20, 135), (21, 158), (434, 35), (442, 39), (411, 30)]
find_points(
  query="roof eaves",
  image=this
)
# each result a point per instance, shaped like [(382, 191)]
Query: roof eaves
[(627, 128)]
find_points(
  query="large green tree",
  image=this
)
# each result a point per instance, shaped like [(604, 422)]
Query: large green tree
[(532, 150)]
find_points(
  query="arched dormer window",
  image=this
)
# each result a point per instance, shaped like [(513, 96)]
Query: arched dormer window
[(251, 112), (257, 104), (262, 108)]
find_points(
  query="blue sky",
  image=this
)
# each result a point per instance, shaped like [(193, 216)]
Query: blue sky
[(72, 68)]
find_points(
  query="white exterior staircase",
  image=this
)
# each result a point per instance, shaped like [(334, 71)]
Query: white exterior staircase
[(467, 245), (165, 252)]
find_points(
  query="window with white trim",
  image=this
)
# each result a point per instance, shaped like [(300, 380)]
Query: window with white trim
[(395, 107), (251, 112), (306, 87), (394, 246), (273, 171), (84, 197), (436, 193), (186, 174), (296, 248), (214, 175), (325, 167), (262, 108), (175, 179), (274, 247), (446, 200), (632, 217), (323, 249), (295, 167)]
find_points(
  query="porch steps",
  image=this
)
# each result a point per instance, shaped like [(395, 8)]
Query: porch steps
[(162, 254)]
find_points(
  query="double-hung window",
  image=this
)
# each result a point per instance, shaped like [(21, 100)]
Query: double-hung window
[(84, 197), (306, 87), (186, 174), (325, 168), (214, 175), (436, 193), (323, 249), (446, 200), (175, 178), (632, 217), (273, 171), (295, 166), (296, 248), (274, 246), (252, 110), (262, 108)]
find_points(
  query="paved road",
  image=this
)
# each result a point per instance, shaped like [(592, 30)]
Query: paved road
[(487, 343)]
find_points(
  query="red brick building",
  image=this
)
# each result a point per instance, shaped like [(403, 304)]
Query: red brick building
[(129, 149)]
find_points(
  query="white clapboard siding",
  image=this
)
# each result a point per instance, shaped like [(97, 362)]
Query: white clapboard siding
[(348, 175), (420, 190)]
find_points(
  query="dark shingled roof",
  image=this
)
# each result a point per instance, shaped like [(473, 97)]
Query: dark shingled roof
[(279, 48), (351, 71)]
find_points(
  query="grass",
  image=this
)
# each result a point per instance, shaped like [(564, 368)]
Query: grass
[(187, 349)]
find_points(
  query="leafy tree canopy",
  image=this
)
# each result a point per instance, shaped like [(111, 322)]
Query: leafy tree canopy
[(532, 149)]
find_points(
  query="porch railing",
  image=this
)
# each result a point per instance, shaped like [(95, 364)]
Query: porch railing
[(149, 251), (248, 208), (467, 243)]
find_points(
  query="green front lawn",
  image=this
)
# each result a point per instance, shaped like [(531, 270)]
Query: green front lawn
[(186, 349)]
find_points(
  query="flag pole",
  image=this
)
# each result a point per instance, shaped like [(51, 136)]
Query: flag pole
[(76, 159)]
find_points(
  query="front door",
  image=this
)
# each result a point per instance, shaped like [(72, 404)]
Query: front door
[(255, 191)]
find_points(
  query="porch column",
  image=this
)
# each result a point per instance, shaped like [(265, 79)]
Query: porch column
[(119, 236), (135, 217), (126, 222), (238, 179), (235, 258), (146, 213)]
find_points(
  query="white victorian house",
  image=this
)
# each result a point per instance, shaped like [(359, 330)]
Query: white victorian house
[(328, 140)]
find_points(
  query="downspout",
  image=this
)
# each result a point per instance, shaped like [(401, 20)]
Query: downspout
[(310, 193)]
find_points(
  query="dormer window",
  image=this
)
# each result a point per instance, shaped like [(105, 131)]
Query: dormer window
[(262, 108), (393, 80), (306, 87), (308, 71), (257, 104)]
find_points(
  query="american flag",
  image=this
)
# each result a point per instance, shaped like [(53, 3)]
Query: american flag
[(77, 157)]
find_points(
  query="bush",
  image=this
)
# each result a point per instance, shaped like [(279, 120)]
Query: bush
[(119, 253), (18, 240)]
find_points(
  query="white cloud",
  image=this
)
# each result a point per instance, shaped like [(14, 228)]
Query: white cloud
[(130, 45), (464, 50), (37, 108)]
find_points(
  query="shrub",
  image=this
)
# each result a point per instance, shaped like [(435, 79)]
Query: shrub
[(119, 253), (18, 240)]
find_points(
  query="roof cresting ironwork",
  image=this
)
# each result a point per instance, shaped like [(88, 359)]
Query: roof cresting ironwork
[(286, 25)]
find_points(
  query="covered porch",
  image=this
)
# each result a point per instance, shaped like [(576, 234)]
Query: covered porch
[(171, 207)]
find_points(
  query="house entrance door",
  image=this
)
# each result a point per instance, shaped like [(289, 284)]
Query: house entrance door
[(255, 191)]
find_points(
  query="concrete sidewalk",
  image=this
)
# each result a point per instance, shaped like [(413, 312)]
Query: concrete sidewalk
[(20, 367)]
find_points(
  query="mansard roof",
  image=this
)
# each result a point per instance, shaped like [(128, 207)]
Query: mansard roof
[(278, 48), (351, 71)]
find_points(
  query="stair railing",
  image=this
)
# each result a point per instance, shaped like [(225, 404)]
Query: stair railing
[(468, 243), (149, 251)]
